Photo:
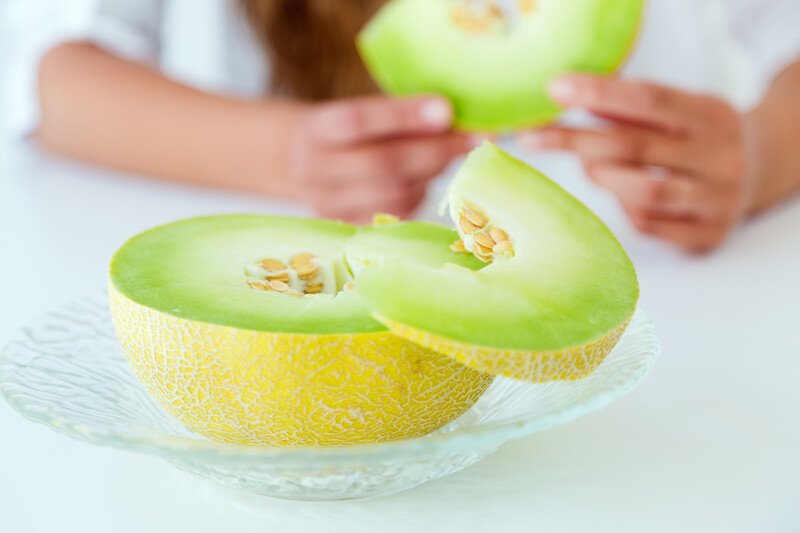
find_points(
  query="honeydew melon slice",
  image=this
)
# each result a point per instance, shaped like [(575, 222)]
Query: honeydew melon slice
[(553, 301), (493, 60), (242, 327)]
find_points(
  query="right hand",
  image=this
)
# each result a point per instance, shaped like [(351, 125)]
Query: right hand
[(353, 158)]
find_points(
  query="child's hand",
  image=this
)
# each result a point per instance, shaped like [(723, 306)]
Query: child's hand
[(677, 161), (356, 157)]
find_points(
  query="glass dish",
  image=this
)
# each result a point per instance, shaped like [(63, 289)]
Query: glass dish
[(68, 372)]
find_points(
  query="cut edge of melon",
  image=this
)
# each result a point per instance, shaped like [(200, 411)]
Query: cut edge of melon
[(568, 364)]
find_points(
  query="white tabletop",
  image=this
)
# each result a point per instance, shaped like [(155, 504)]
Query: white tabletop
[(709, 442)]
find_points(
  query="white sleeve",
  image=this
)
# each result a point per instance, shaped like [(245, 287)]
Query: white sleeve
[(769, 30), (128, 28)]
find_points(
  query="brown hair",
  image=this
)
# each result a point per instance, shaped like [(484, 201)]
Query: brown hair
[(311, 45)]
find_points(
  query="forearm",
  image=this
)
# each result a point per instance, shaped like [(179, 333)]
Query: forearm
[(98, 107), (775, 130)]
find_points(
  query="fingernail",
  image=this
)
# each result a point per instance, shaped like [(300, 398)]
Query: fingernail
[(436, 113), (563, 90)]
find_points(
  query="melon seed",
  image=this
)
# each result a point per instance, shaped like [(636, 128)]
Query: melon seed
[(478, 219), (272, 265), (349, 286), (484, 254), (314, 288), (257, 285), (279, 286), (484, 240), (467, 227), (278, 276), (301, 260), (498, 235), (307, 272), (458, 247)]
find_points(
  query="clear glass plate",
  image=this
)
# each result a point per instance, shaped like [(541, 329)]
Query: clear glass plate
[(68, 372)]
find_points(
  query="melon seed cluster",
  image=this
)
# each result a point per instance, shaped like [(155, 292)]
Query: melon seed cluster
[(483, 17), (300, 277), (483, 239), (477, 17)]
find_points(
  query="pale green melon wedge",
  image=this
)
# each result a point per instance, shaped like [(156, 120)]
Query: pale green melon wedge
[(494, 65), (554, 300)]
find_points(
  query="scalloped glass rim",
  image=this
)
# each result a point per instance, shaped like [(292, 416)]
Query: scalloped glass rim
[(640, 338)]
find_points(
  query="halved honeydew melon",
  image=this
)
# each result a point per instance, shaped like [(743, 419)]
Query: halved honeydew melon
[(493, 60), (244, 329), (553, 300)]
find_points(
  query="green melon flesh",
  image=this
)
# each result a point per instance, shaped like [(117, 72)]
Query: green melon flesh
[(496, 80), (195, 269), (569, 282), (427, 244)]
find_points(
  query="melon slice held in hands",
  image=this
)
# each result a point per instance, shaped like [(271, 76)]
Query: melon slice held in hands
[(494, 59)]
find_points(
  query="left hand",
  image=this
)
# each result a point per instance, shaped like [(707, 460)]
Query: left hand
[(677, 161)]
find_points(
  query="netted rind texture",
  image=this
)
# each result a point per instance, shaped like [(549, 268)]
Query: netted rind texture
[(537, 367), (259, 388)]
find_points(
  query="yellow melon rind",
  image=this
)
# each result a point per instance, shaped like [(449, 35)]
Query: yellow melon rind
[(537, 367), (261, 388)]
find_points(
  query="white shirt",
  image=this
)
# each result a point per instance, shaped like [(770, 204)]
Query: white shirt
[(732, 48)]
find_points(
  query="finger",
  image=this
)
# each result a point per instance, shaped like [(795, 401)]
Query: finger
[(660, 191), (692, 236), (398, 160), (374, 117), (637, 101), (622, 143)]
